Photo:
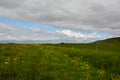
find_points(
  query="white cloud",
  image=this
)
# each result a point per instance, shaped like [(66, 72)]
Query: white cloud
[(8, 32), (80, 35), (35, 29)]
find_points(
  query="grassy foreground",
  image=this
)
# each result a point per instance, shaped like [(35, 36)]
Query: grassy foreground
[(60, 61)]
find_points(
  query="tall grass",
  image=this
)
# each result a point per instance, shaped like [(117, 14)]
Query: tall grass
[(59, 62)]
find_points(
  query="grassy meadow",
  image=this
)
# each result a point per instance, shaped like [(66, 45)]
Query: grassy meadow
[(60, 61)]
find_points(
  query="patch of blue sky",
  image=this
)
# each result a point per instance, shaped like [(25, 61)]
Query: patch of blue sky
[(46, 27), (16, 23), (28, 25)]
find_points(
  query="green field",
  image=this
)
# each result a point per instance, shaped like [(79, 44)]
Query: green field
[(60, 61)]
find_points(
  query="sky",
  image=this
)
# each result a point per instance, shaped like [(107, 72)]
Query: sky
[(59, 20)]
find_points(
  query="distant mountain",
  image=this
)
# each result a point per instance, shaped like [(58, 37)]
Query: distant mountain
[(29, 41), (20, 42), (115, 39)]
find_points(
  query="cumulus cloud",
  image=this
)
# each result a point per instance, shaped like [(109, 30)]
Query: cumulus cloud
[(79, 35), (102, 15), (8, 32)]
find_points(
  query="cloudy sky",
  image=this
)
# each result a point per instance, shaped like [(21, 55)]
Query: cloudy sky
[(59, 20)]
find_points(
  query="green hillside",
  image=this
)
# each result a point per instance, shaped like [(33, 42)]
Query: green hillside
[(93, 61)]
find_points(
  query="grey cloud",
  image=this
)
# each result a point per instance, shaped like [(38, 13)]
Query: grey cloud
[(8, 32), (101, 15), (10, 3)]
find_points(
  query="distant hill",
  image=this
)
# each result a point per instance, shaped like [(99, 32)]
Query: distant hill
[(116, 39), (109, 40), (112, 44)]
